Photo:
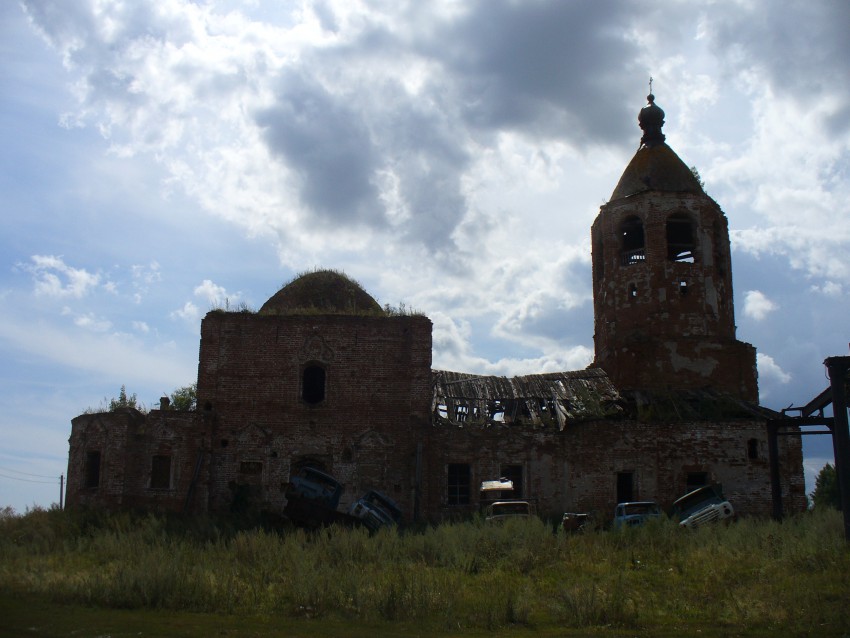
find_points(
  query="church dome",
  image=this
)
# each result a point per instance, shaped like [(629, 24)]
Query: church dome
[(651, 119), (322, 292), (655, 166)]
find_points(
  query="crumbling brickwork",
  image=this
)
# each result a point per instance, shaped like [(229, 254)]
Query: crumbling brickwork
[(373, 409), (664, 313), (126, 459), (322, 376), (577, 469)]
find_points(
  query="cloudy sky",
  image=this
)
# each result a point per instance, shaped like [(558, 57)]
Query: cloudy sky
[(165, 157)]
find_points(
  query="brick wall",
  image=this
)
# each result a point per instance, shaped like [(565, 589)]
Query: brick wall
[(661, 322), (373, 429), (576, 469), (126, 442), (365, 429)]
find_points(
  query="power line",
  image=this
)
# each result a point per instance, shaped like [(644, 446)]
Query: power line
[(17, 478), (6, 469)]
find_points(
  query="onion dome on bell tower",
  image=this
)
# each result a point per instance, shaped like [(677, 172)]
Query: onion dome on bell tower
[(651, 119)]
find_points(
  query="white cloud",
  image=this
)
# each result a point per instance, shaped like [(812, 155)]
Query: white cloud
[(118, 356), (757, 306), (144, 277), (790, 187), (141, 326), (213, 295), (216, 295), (54, 278), (188, 313), (453, 351), (446, 142), (90, 322), (770, 371), (829, 289)]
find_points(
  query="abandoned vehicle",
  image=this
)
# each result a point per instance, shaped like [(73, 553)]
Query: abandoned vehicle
[(635, 513), (501, 511), (322, 377), (704, 505)]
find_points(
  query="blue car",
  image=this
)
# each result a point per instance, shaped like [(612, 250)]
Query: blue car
[(635, 513)]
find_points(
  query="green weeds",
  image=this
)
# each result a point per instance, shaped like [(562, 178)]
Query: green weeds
[(750, 576)]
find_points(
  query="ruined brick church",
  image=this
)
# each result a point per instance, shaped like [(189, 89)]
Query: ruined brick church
[(322, 376)]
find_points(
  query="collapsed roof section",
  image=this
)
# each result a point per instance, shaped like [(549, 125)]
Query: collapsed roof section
[(557, 399), (540, 400)]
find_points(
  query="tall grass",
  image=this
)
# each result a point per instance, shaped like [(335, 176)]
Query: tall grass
[(752, 574)]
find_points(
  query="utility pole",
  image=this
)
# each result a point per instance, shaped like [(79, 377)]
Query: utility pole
[(61, 490), (837, 368)]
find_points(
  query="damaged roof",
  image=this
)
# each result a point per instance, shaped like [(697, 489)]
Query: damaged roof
[(558, 398), (538, 399), (703, 404)]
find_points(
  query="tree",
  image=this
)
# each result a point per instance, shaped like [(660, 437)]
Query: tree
[(123, 401), (185, 398), (698, 177), (826, 492)]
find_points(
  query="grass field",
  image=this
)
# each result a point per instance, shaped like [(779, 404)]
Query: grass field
[(120, 575)]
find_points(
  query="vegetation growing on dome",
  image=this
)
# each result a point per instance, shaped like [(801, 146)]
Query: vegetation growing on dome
[(402, 310), (322, 292), (241, 307)]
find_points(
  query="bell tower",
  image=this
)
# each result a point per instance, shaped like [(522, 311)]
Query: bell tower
[(662, 279)]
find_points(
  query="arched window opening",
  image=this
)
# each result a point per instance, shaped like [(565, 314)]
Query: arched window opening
[(313, 384), (633, 291), (683, 287), (633, 247), (680, 239)]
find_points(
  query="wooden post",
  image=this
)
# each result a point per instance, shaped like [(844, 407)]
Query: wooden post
[(837, 368)]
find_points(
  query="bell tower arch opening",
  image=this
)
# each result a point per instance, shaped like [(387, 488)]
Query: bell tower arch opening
[(633, 242), (681, 246)]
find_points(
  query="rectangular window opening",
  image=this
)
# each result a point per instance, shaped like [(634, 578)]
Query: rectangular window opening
[(92, 468), (625, 487), (161, 472), (752, 449), (459, 476)]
